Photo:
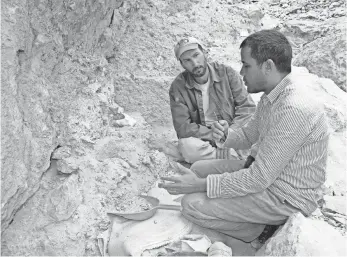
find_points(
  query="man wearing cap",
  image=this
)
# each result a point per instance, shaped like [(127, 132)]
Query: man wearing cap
[(204, 93)]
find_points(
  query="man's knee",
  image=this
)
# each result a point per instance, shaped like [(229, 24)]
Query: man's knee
[(191, 204), (194, 149)]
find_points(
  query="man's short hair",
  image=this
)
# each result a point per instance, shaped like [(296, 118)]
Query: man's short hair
[(270, 44)]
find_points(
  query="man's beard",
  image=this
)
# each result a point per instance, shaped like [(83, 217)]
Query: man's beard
[(197, 75)]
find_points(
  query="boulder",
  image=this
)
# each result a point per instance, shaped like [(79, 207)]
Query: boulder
[(326, 57), (334, 101), (67, 165), (302, 236)]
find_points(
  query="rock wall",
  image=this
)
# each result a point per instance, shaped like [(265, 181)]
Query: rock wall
[(41, 79)]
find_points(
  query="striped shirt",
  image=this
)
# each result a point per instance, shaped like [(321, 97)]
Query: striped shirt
[(291, 132)]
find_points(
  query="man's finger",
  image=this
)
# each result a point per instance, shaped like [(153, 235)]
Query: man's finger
[(168, 186), (172, 179), (173, 192), (218, 125), (218, 133)]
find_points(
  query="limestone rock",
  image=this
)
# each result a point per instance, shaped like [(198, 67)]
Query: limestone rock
[(39, 87), (326, 57), (335, 203), (67, 165), (302, 236), (333, 98), (268, 22), (126, 121), (64, 200), (61, 152)]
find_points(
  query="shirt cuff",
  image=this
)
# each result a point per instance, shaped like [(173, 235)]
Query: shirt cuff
[(213, 186)]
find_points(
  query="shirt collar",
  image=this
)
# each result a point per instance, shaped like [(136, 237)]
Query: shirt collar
[(213, 77), (272, 96)]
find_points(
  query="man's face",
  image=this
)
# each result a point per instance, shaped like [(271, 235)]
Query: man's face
[(252, 73), (194, 62)]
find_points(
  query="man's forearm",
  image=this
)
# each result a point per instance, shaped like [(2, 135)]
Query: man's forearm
[(194, 130)]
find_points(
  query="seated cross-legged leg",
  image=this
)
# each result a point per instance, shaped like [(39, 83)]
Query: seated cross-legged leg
[(194, 149), (242, 217)]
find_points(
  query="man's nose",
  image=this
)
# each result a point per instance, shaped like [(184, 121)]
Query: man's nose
[(241, 71)]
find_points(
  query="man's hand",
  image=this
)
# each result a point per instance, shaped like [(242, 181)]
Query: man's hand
[(219, 130), (186, 183)]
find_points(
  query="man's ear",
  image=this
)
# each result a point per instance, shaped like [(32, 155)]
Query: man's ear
[(269, 66)]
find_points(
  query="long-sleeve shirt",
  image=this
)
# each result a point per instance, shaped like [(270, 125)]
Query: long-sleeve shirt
[(291, 132), (227, 95)]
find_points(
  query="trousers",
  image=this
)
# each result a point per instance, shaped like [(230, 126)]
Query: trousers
[(243, 217)]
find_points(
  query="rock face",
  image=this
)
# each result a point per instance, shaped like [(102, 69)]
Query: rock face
[(302, 236), (326, 57), (335, 104), (40, 86)]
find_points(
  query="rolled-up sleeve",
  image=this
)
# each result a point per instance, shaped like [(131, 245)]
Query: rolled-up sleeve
[(288, 129)]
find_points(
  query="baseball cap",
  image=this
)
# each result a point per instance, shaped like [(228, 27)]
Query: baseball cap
[(186, 44)]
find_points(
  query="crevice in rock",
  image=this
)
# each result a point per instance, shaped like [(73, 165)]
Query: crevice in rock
[(20, 56), (112, 17)]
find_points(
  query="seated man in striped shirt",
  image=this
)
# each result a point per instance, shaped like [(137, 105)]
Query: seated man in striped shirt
[(291, 133)]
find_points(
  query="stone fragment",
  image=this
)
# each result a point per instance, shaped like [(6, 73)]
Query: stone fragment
[(268, 22), (61, 152), (302, 236), (116, 109), (127, 121), (67, 165), (64, 200)]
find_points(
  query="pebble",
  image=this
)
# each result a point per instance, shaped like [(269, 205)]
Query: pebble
[(334, 5)]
